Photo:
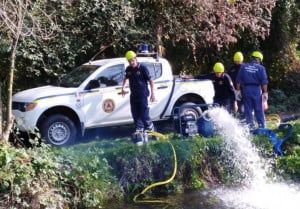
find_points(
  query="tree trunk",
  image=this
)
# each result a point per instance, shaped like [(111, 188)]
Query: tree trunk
[(21, 19), (1, 117), (14, 44), (159, 46), (9, 116)]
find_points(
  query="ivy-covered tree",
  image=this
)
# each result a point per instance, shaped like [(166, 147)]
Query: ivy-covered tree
[(281, 46), (188, 31), (194, 32), (87, 27), (20, 19), (112, 27), (204, 23)]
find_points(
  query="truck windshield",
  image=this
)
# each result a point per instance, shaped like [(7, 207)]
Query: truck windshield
[(78, 75)]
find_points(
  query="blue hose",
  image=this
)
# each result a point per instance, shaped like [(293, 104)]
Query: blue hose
[(276, 142)]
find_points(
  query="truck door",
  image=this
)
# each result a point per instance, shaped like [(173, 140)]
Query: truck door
[(162, 88), (106, 106)]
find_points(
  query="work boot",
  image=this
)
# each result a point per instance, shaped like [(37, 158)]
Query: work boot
[(145, 137), (152, 128), (138, 137)]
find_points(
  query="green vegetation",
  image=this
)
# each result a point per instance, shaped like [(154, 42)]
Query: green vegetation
[(60, 178), (192, 38), (281, 101), (190, 34), (90, 174), (289, 165)]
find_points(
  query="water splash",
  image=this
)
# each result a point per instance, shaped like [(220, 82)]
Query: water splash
[(258, 193), (262, 196), (238, 146)]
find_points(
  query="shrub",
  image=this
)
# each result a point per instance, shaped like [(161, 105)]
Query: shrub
[(28, 178)]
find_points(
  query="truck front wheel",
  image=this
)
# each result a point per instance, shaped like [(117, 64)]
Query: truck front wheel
[(58, 130)]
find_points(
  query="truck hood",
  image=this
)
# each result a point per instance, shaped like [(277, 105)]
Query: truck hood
[(41, 92)]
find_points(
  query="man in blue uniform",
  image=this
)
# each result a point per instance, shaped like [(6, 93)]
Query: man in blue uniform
[(139, 77), (233, 70), (252, 78), (224, 90)]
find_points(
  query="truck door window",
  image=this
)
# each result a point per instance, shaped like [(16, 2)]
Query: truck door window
[(112, 76), (155, 69), (78, 75)]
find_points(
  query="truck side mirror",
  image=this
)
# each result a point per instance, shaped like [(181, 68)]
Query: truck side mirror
[(93, 84)]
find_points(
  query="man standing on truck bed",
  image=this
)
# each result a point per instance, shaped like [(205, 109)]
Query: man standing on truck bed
[(138, 76)]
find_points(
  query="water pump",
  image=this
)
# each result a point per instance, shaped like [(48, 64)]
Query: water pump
[(205, 125), (189, 125)]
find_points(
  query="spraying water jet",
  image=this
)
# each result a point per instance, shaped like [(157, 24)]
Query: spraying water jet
[(259, 192)]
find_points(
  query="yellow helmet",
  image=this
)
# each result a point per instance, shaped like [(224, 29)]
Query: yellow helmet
[(238, 57), (257, 54), (130, 55), (218, 67)]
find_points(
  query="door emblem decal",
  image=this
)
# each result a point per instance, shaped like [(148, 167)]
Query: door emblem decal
[(108, 105)]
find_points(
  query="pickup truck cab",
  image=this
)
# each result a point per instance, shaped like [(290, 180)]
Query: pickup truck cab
[(90, 97)]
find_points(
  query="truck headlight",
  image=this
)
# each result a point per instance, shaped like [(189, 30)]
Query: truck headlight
[(24, 106)]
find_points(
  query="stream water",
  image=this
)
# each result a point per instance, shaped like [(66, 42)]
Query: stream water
[(257, 192)]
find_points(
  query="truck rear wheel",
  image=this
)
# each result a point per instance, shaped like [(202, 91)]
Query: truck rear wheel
[(58, 130), (195, 111)]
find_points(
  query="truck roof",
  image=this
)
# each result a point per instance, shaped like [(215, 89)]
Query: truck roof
[(120, 59)]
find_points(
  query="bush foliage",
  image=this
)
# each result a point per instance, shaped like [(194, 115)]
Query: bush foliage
[(90, 174)]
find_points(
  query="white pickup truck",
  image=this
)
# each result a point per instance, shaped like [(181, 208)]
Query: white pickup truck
[(90, 97)]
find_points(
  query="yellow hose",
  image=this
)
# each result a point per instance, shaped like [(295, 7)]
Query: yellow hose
[(273, 119), (135, 199)]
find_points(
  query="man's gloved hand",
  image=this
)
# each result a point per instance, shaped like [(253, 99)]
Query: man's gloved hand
[(238, 95), (265, 96)]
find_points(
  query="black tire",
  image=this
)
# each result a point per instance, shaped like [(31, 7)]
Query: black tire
[(58, 130), (194, 111)]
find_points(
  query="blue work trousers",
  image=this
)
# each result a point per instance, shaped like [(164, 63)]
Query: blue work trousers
[(253, 103), (227, 103), (140, 113), (241, 109)]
